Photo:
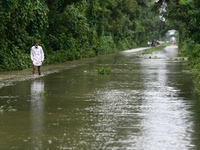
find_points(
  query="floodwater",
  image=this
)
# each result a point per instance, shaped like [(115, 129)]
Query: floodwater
[(145, 103)]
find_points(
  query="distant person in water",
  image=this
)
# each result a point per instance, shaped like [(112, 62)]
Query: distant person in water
[(37, 57)]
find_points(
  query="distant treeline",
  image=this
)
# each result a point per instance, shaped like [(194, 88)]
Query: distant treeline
[(73, 29), (183, 15)]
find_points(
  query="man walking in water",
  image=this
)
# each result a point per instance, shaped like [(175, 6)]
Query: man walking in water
[(37, 57)]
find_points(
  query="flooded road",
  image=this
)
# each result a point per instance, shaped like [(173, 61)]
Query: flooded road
[(143, 104)]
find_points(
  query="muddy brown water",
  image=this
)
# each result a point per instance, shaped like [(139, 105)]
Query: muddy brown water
[(143, 104)]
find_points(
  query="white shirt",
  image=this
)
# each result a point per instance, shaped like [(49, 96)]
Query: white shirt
[(37, 55)]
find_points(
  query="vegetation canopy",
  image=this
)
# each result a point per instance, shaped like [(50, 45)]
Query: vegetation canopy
[(72, 29), (183, 15)]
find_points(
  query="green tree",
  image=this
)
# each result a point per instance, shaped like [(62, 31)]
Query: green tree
[(73, 29), (184, 15), (21, 22)]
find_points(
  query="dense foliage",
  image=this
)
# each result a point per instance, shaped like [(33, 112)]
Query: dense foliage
[(183, 15), (72, 29)]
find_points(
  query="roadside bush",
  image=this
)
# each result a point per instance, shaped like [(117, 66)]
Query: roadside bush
[(107, 45), (14, 58), (187, 46), (192, 51)]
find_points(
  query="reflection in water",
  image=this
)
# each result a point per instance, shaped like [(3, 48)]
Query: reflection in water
[(117, 125), (166, 121), (37, 102), (144, 111), (144, 104)]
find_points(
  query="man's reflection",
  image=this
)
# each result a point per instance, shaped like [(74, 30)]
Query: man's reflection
[(37, 107)]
